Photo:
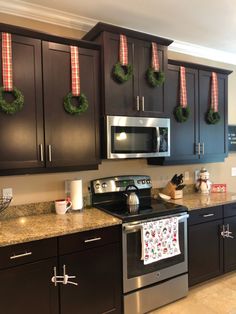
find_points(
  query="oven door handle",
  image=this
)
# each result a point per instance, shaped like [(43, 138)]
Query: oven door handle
[(137, 227)]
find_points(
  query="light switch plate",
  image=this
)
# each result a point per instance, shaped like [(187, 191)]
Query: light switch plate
[(186, 176)]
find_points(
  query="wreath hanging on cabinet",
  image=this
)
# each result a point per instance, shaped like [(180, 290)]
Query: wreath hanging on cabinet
[(155, 77), (7, 75), (75, 95), (182, 111), (122, 71), (212, 115)]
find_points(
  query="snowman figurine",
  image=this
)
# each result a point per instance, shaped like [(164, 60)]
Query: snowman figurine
[(203, 184)]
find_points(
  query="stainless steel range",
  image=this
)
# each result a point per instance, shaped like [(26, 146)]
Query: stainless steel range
[(145, 286)]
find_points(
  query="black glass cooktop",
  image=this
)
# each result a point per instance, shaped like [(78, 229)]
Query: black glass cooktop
[(146, 210)]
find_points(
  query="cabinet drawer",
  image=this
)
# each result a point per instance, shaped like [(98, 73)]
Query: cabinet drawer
[(230, 210), (18, 254), (205, 214), (89, 239)]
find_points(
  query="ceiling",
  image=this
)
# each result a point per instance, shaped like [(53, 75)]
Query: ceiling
[(208, 23)]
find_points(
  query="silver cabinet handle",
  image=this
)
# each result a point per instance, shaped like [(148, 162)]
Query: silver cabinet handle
[(54, 278), (223, 231), (92, 240), (198, 148), (20, 255), (143, 104), (229, 233), (50, 152), (41, 152), (203, 149), (137, 103), (66, 277), (208, 215)]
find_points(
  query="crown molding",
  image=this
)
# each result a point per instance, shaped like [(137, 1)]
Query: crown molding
[(47, 15), (203, 52)]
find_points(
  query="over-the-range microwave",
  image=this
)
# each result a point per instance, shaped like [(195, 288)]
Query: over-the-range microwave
[(136, 137)]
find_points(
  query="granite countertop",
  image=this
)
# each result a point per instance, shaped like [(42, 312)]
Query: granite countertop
[(36, 227), (196, 200)]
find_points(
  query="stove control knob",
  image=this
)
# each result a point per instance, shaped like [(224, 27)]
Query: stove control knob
[(97, 186), (148, 181), (104, 185), (143, 181)]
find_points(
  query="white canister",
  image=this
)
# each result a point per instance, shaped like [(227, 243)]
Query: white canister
[(76, 194)]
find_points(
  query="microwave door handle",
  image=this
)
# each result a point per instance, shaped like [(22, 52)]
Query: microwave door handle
[(157, 140)]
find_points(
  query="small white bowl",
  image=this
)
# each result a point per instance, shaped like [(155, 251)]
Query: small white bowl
[(164, 197)]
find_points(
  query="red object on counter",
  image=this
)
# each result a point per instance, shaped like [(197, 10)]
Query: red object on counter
[(218, 188)]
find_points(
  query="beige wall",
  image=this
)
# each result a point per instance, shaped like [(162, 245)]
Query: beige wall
[(44, 187)]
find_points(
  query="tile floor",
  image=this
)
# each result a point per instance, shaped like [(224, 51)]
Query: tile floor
[(217, 296)]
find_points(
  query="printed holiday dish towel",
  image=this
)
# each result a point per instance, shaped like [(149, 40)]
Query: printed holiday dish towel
[(160, 239)]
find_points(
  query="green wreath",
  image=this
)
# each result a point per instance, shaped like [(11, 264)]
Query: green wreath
[(181, 114), (122, 73), (155, 78), (212, 117), (75, 109), (14, 106)]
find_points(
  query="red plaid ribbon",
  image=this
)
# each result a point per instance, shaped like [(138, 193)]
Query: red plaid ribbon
[(214, 92), (155, 59), (75, 70), (123, 50), (183, 88), (7, 62)]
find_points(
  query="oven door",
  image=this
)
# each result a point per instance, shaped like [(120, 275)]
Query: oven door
[(137, 275)]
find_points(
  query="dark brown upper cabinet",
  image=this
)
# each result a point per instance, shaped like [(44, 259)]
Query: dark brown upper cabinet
[(70, 140), (21, 134), (43, 137), (134, 97), (196, 141)]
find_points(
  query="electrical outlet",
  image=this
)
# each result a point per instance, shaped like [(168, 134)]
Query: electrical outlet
[(233, 172), (7, 192), (196, 174), (186, 176), (67, 187)]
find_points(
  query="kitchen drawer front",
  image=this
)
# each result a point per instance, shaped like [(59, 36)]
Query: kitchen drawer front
[(205, 214), (89, 239), (28, 252), (230, 210)]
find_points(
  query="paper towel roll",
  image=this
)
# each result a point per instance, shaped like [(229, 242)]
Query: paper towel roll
[(76, 194)]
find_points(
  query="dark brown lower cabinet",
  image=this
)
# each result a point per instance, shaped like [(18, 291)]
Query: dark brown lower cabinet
[(98, 276), (28, 289), (212, 242), (205, 251)]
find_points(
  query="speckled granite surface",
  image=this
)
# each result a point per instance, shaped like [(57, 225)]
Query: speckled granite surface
[(36, 227), (197, 200)]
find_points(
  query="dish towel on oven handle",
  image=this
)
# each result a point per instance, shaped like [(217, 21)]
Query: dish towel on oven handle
[(159, 239)]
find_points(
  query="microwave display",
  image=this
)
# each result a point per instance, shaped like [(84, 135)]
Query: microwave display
[(138, 139)]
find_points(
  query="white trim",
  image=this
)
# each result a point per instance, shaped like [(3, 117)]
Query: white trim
[(203, 52), (46, 15), (57, 17)]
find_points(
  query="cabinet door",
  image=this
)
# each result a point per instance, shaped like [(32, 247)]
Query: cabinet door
[(73, 139), (21, 134), (120, 99), (205, 251), (152, 99), (28, 289), (184, 135), (210, 134), (230, 245), (98, 274)]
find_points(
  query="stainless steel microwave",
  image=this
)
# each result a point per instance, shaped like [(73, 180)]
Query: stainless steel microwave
[(137, 137)]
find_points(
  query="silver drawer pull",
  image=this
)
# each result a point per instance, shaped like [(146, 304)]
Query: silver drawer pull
[(137, 103), (50, 153), (208, 215), (21, 255), (92, 240)]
